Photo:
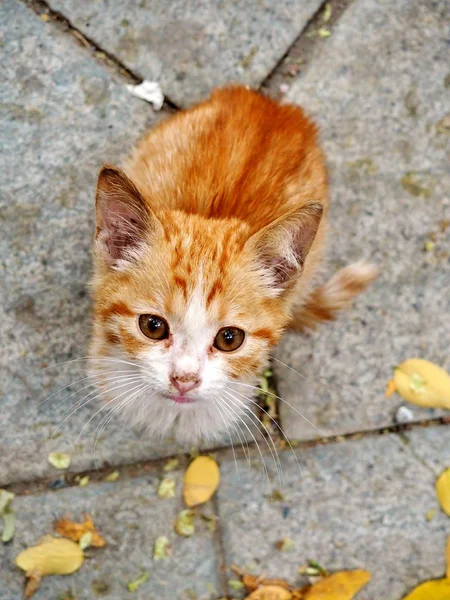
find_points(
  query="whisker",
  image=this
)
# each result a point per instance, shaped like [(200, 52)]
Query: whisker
[(112, 378), (288, 367), (274, 452), (229, 435), (111, 414), (95, 359), (84, 404), (277, 424), (237, 428), (73, 383), (107, 404), (254, 439), (322, 433)]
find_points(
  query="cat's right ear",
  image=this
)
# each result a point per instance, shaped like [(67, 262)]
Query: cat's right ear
[(123, 219)]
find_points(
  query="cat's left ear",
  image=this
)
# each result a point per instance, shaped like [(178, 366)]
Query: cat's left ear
[(282, 246), (123, 218)]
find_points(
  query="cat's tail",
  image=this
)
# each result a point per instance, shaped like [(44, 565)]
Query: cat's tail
[(337, 294)]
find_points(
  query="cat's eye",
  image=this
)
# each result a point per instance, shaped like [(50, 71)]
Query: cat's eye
[(154, 327), (229, 339)]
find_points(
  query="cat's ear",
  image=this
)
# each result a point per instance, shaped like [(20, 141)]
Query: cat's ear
[(123, 219), (282, 246)]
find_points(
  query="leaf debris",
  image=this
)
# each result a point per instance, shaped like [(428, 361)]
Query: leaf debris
[(285, 544), (114, 476), (171, 464), (75, 531), (134, 585), (162, 548), (166, 488), (184, 525), (59, 460), (8, 515)]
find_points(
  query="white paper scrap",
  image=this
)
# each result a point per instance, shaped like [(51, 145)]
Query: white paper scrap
[(150, 91)]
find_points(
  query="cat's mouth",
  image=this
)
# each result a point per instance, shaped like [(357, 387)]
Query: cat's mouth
[(180, 399)]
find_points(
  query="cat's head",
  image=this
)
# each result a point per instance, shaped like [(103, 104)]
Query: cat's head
[(187, 308)]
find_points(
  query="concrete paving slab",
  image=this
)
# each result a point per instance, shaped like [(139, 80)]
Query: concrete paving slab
[(130, 516), (191, 47), (378, 90), (62, 116), (358, 504)]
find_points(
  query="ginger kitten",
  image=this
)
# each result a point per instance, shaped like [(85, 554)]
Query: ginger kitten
[(206, 248)]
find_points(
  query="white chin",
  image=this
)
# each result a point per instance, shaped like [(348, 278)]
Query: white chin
[(189, 423)]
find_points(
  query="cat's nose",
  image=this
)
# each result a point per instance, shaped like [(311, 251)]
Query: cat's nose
[(185, 383)]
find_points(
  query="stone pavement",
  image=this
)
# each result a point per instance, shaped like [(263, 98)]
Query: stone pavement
[(379, 87)]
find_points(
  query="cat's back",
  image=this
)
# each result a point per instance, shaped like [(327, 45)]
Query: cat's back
[(239, 154)]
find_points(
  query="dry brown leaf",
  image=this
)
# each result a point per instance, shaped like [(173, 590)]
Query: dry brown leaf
[(339, 586), (438, 589), (443, 491), (32, 584), (200, 480), (52, 556), (252, 582), (390, 388), (423, 383), (270, 592), (75, 531)]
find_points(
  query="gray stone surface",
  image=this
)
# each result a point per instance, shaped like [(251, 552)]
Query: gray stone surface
[(378, 89), (130, 516), (358, 504), (61, 115), (191, 47)]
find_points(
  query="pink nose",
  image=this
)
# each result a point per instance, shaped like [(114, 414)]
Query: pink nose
[(186, 383)]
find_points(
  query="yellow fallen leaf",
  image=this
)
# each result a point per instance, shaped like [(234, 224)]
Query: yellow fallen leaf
[(53, 556), (447, 559), (84, 481), (424, 383), (59, 460), (343, 585), (438, 589), (200, 480), (443, 491), (270, 592), (75, 531)]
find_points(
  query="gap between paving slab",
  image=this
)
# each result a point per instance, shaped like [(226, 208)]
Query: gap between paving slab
[(304, 49), (211, 43), (107, 59), (127, 471), (131, 516), (374, 484)]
